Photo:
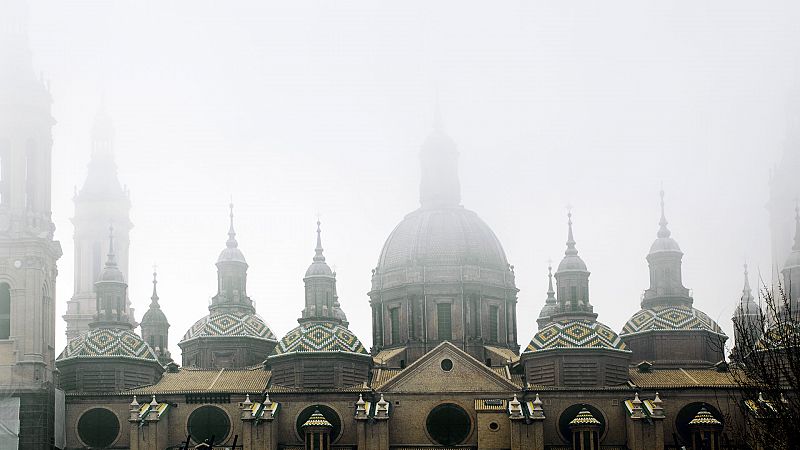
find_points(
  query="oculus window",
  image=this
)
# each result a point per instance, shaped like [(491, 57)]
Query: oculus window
[(98, 428), (206, 422), (448, 424)]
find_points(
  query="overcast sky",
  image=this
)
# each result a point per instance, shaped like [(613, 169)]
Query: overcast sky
[(296, 108)]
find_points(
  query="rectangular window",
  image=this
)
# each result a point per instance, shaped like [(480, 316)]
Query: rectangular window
[(394, 317), (494, 323), (574, 293), (444, 322), (5, 311)]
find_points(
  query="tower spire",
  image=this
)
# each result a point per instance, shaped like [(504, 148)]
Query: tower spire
[(318, 256), (551, 293), (232, 243), (154, 297), (747, 292), (571, 250), (663, 231), (439, 183)]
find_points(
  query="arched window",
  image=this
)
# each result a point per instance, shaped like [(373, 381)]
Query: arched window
[(5, 311)]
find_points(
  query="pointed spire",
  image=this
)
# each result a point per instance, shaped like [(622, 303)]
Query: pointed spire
[(747, 292), (112, 259), (154, 297), (231, 232), (551, 293), (663, 231), (318, 256), (571, 250)]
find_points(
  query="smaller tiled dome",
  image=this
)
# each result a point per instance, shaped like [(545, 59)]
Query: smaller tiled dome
[(228, 324), (670, 318), (108, 343), (579, 333), (319, 336), (584, 417)]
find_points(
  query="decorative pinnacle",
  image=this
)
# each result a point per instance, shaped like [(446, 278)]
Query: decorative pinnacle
[(231, 232), (551, 294), (112, 260), (318, 256), (154, 297), (747, 291), (571, 250), (663, 231)]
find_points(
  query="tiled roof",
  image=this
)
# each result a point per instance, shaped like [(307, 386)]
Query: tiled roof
[(382, 376), (670, 318), (319, 337), (681, 378), (228, 324), (504, 354), (108, 343), (187, 381), (276, 389), (482, 404), (386, 355), (584, 334)]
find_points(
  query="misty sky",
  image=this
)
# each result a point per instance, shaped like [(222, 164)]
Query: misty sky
[(297, 108)]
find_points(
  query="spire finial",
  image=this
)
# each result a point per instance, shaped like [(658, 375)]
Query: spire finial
[(663, 231), (318, 256), (231, 232), (154, 297), (571, 250)]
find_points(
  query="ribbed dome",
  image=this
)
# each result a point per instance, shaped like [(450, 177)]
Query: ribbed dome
[(112, 273), (322, 336), (548, 310), (230, 325), (570, 263), (108, 343), (231, 254), (449, 236), (579, 333), (670, 318)]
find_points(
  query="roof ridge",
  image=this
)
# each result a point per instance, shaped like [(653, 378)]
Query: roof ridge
[(215, 379), (690, 377)]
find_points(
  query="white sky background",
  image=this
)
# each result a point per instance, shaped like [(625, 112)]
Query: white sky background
[(299, 107)]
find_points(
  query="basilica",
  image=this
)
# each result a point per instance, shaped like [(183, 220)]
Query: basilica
[(447, 367)]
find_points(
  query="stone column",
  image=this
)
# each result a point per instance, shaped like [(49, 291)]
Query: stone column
[(527, 433)]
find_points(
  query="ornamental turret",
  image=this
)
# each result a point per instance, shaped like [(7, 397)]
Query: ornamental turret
[(155, 327), (320, 286), (664, 259), (111, 293), (232, 277), (572, 281), (550, 304)]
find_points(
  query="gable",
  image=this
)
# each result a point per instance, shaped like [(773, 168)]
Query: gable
[(427, 374)]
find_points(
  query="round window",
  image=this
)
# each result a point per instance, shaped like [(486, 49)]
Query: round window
[(494, 426), (570, 413), (330, 416), (447, 365), (448, 424), (98, 428), (207, 422)]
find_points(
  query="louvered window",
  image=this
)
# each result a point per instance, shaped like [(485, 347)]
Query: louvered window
[(444, 322)]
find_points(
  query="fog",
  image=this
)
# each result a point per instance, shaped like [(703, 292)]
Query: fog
[(298, 109)]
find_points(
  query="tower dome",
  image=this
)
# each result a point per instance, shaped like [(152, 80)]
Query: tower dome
[(666, 307), (442, 274)]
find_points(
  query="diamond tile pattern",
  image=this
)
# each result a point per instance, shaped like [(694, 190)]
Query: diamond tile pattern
[(319, 337), (230, 324), (575, 334), (106, 342), (670, 317)]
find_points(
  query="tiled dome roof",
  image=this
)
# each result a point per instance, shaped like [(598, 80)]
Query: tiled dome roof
[(108, 343), (670, 317), (780, 335), (575, 334), (230, 324), (442, 236), (584, 418), (704, 417), (320, 336)]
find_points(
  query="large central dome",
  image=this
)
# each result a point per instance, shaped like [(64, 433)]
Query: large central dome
[(451, 236)]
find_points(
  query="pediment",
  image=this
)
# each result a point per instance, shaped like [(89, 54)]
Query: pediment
[(429, 374)]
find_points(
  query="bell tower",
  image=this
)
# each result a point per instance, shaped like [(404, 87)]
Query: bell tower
[(101, 201), (28, 253)]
